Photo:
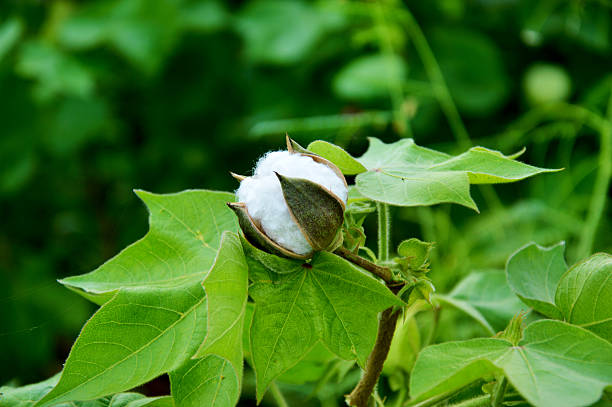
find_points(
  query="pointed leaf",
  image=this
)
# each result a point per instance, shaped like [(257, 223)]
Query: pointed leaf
[(405, 174), (584, 295), (210, 381), (343, 160), (328, 300), (556, 364), (136, 336), (27, 396), (179, 249), (533, 274), (214, 378)]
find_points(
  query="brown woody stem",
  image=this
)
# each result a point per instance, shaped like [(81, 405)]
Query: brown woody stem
[(382, 272), (386, 328)]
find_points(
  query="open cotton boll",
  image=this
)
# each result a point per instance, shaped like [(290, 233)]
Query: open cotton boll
[(299, 166), (264, 199)]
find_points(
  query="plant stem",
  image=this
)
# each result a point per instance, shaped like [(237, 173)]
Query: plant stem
[(379, 271), (384, 231), (433, 71), (498, 397), (600, 190), (278, 395), (386, 328), (480, 401)]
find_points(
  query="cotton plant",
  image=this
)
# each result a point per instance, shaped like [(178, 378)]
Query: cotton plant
[(272, 272)]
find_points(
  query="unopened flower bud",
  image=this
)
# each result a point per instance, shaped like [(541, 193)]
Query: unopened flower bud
[(294, 203)]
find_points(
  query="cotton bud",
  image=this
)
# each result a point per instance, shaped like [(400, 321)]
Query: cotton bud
[(294, 203)]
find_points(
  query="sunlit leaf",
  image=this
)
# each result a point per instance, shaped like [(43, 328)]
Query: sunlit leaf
[(179, 249), (343, 160), (136, 336), (556, 364), (405, 174), (324, 301)]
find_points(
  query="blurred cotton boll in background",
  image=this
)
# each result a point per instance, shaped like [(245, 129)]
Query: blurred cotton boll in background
[(264, 199)]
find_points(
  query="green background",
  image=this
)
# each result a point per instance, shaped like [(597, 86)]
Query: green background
[(102, 97)]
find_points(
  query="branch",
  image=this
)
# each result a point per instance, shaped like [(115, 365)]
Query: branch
[(386, 328), (382, 272)]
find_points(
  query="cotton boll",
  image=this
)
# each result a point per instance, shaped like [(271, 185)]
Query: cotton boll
[(264, 199), (265, 202), (299, 166)]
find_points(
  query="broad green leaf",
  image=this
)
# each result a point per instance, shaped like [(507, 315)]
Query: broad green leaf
[(179, 249), (405, 174), (405, 346), (533, 273), (26, 396), (214, 378), (343, 160), (370, 77), (10, 31), (556, 364), (486, 297), (138, 335), (322, 301), (584, 295), (208, 381)]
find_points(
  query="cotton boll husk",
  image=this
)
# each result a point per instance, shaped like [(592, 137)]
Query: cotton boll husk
[(264, 199)]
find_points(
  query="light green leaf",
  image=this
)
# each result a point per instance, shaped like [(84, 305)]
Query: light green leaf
[(179, 249), (10, 31), (214, 379), (283, 32), (136, 336), (486, 297), (405, 174), (556, 364), (369, 77), (210, 381), (533, 273), (343, 160), (324, 301), (143, 31), (584, 295), (26, 396), (56, 72)]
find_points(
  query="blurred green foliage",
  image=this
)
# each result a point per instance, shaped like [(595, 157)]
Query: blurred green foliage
[(104, 96)]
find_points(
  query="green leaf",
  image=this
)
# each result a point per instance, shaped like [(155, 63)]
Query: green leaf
[(343, 160), (556, 364), (283, 32), (27, 396), (136, 336), (143, 31), (584, 295), (55, 71), (486, 297), (179, 249), (405, 174), (215, 378), (369, 77), (324, 301), (10, 31), (208, 381), (533, 273)]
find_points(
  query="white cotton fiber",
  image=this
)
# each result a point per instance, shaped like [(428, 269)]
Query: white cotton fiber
[(264, 200)]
